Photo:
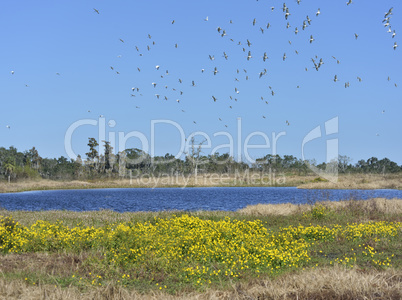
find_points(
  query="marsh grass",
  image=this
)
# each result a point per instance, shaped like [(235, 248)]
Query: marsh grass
[(345, 181), (360, 263)]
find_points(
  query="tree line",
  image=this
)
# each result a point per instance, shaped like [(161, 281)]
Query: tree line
[(15, 165)]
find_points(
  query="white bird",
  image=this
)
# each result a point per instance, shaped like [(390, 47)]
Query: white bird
[(335, 78), (296, 30), (157, 67), (248, 56), (206, 19), (389, 12), (154, 84), (311, 39), (395, 45), (393, 34), (8, 126), (287, 14), (12, 72), (317, 13)]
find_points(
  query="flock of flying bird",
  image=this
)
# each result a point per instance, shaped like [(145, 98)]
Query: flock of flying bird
[(316, 61)]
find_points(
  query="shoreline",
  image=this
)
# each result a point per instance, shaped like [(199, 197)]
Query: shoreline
[(356, 181)]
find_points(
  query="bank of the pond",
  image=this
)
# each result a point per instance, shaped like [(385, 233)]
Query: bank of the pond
[(345, 181)]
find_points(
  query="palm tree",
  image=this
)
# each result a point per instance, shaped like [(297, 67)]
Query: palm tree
[(9, 170)]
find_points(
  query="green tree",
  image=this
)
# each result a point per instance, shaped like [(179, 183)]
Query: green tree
[(93, 155)]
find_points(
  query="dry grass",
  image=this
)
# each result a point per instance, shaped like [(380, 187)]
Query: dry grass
[(329, 283), (358, 181), (381, 205), (355, 181)]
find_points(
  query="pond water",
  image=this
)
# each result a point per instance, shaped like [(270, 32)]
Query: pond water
[(158, 199)]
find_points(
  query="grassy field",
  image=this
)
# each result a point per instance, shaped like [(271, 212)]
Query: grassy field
[(345, 181), (326, 250)]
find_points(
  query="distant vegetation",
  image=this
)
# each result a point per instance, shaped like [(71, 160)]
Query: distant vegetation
[(15, 165)]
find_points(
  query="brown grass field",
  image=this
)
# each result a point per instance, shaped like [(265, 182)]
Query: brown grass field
[(313, 284), (355, 181)]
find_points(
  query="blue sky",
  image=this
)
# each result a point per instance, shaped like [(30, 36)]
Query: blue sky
[(41, 39)]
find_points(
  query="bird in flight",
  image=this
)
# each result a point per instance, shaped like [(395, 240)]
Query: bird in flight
[(318, 13), (121, 40), (356, 36), (349, 2), (8, 126), (97, 11), (395, 45)]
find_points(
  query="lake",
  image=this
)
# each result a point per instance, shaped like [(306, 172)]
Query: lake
[(158, 199)]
